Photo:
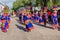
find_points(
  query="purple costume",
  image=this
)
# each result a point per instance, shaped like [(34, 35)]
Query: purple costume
[(55, 21)]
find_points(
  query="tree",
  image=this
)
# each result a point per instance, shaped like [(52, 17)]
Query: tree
[(19, 3), (41, 3), (58, 3), (50, 3)]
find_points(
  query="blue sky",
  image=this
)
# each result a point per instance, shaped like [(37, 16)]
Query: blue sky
[(9, 3)]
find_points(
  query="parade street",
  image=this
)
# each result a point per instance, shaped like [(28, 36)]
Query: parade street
[(17, 32)]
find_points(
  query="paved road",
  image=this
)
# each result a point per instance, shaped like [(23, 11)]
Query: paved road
[(17, 32)]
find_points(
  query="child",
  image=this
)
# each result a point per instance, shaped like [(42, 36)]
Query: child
[(8, 20), (28, 22), (41, 21), (49, 15), (4, 25), (24, 17), (55, 20), (45, 16), (36, 17)]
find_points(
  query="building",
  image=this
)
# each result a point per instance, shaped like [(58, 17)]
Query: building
[(1, 7)]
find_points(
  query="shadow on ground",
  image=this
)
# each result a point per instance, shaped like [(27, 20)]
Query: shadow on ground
[(19, 22), (59, 29), (43, 26), (21, 28)]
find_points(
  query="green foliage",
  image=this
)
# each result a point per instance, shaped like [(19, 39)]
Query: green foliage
[(19, 3), (58, 3), (49, 3), (41, 3)]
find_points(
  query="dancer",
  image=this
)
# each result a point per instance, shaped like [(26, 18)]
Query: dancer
[(55, 20), (5, 20), (45, 16), (8, 20), (28, 22), (24, 18), (4, 25), (36, 17), (41, 20)]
